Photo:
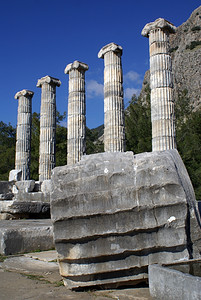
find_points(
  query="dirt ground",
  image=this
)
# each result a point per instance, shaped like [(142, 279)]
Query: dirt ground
[(36, 277)]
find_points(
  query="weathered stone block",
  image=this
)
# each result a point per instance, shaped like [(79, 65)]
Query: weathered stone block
[(26, 186), (22, 236), (170, 284), (6, 190), (24, 207), (46, 186), (15, 175), (116, 213)]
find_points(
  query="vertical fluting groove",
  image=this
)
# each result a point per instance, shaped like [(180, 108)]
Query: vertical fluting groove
[(161, 83), (114, 129), (76, 112), (47, 154), (23, 134)]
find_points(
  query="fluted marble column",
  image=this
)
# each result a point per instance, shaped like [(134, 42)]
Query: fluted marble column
[(23, 134), (76, 111), (47, 126), (114, 127), (161, 83)]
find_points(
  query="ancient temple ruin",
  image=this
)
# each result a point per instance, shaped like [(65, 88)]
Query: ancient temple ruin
[(113, 213)]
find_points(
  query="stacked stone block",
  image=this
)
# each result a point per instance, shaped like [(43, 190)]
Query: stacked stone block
[(114, 128), (76, 111), (161, 81), (115, 213)]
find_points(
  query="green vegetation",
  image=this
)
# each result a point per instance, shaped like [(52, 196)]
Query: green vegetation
[(193, 45), (2, 258), (35, 133), (7, 149), (138, 124), (58, 283), (173, 49), (93, 144), (196, 28), (61, 143), (188, 136), (42, 279)]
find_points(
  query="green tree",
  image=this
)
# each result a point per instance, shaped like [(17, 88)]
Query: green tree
[(61, 143), (35, 133), (93, 144), (188, 137), (188, 132), (7, 149), (61, 140), (138, 124)]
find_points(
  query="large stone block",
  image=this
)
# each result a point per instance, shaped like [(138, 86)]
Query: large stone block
[(15, 175), (6, 188), (170, 284), (22, 236), (116, 213), (26, 186)]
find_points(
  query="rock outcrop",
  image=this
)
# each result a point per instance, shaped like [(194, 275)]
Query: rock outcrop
[(116, 213)]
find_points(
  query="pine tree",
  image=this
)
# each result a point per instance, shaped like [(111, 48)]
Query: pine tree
[(188, 137), (138, 124), (7, 149)]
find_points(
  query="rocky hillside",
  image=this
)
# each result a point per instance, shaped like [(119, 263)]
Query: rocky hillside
[(185, 47)]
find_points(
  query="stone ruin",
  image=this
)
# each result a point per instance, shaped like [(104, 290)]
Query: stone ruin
[(22, 197), (113, 213)]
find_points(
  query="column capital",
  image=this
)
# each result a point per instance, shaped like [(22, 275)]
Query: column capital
[(24, 93), (158, 23), (48, 79), (110, 47), (76, 65)]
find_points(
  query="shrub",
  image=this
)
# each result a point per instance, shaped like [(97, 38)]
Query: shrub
[(193, 45), (196, 28), (173, 49)]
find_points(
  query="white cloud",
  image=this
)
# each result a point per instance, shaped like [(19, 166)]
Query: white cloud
[(93, 88), (128, 93), (133, 76)]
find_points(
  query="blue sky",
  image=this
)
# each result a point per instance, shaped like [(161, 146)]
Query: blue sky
[(40, 37)]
